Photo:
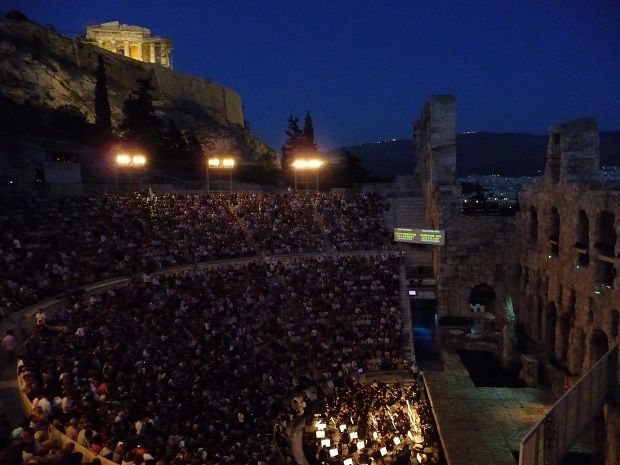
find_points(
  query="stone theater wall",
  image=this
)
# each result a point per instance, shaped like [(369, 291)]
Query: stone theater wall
[(42, 66), (567, 230), (558, 258), (479, 253)]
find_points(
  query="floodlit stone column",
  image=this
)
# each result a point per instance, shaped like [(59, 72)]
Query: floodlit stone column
[(152, 53), (126, 48), (139, 51)]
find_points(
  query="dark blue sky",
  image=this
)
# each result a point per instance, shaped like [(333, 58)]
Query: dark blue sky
[(364, 68)]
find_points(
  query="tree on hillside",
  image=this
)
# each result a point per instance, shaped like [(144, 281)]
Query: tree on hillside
[(309, 142), (294, 140), (103, 115), (140, 126)]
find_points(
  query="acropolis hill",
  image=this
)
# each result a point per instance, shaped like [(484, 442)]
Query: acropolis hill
[(42, 67)]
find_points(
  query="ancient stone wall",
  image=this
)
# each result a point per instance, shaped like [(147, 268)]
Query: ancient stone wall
[(567, 230), (478, 250), (41, 66), (559, 258)]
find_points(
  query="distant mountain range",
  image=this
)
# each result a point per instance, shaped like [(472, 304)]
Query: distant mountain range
[(506, 154)]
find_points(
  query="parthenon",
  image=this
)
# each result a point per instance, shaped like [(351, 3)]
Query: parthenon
[(132, 41)]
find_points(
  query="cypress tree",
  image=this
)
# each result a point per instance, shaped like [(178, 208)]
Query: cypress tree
[(309, 143), (103, 115)]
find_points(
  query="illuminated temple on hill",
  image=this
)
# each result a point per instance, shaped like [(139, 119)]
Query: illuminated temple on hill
[(132, 41)]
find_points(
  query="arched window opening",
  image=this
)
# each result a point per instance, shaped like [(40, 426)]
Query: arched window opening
[(482, 302), (606, 233), (605, 243)]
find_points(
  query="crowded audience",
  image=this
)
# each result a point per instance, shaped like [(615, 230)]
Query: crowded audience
[(354, 221), (210, 367), (52, 244)]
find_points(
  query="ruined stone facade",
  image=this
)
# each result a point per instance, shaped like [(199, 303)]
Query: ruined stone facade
[(558, 258), (569, 253), (131, 41), (477, 259)]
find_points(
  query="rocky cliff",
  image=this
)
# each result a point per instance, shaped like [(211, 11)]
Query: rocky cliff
[(39, 66)]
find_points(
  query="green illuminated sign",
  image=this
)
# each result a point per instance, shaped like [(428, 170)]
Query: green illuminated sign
[(419, 236)]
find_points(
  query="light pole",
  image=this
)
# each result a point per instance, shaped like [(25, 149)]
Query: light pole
[(130, 163), (220, 166), (307, 166)]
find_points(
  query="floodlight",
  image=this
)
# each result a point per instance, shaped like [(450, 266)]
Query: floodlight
[(123, 159), (326, 442), (307, 164), (214, 162), (333, 452), (375, 435), (360, 445), (320, 425), (348, 462), (396, 440), (383, 451), (353, 434), (320, 433), (138, 160), (228, 163), (342, 427)]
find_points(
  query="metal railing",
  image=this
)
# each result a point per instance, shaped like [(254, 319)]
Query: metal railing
[(551, 439)]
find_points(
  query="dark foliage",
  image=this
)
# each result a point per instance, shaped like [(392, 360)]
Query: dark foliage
[(103, 115)]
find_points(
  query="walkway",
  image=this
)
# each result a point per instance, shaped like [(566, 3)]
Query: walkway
[(481, 426)]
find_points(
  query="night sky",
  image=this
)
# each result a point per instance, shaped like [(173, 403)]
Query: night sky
[(364, 68)]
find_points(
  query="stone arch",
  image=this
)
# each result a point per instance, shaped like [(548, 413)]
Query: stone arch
[(576, 351), (550, 317), (605, 243), (483, 294), (533, 225), (554, 232), (598, 345), (606, 236)]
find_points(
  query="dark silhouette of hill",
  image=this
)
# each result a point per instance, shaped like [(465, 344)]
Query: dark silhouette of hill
[(506, 154)]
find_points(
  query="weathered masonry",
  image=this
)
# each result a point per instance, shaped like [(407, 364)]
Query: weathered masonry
[(557, 260), (131, 41)]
